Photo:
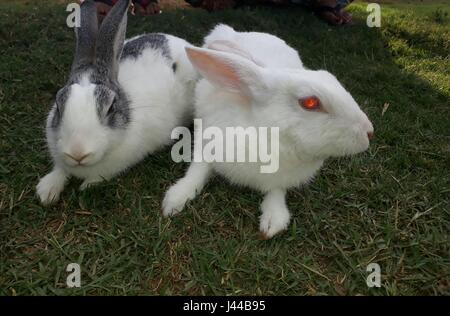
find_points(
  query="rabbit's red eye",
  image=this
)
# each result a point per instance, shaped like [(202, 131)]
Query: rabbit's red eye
[(310, 103)]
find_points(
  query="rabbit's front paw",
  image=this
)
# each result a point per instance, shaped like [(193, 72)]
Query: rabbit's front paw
[(273, 222), (50, 187), (275, 215), (175, 199)]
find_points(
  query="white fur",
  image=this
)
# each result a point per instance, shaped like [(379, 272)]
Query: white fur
[(160, 101), (265, 48), (275, 214), (268, 96), (51, 186)]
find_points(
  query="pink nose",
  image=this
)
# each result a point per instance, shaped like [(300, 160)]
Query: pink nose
[(77, 157), (370, 135)]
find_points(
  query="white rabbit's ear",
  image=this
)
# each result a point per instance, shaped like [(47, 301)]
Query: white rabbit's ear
[(228, 71), (230, 47)]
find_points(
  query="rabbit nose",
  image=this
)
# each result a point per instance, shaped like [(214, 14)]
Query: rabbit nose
[(370, 135), (78, 157)]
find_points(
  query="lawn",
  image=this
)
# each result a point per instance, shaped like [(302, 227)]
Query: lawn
[(389, 205)]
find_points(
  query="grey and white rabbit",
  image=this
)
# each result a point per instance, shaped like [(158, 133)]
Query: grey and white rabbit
[(121, 102)]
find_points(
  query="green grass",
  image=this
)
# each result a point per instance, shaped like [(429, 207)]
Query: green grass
[(389, 205)]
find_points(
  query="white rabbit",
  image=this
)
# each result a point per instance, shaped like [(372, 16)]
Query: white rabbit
[(121, 102), (255, 79)]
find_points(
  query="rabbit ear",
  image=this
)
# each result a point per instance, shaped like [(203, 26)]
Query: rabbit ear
[(230, 47), (111, 37), (229, 71), (86, 35)]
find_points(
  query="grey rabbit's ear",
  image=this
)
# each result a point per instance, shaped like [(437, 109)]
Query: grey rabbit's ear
[(86, 35), (111, 37)]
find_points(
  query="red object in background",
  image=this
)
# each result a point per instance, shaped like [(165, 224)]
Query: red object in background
[(142, 7), (143, 3)]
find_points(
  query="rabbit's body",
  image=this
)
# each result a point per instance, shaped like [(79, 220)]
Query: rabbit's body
[(121, 102), (223, 112), (257, 80), (292, 172)]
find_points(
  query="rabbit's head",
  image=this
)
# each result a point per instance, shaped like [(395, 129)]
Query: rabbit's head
[(314, 112), (91, 112)]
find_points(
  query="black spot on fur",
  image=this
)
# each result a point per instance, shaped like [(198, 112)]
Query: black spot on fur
[(135, 47), (174, 67)]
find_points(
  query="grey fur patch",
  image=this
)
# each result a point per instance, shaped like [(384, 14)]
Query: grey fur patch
[(113, 105), (78, 73), (60, 104), (135, 47)]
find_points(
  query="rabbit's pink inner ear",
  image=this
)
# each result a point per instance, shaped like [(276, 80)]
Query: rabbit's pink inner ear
[(218, 71)]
